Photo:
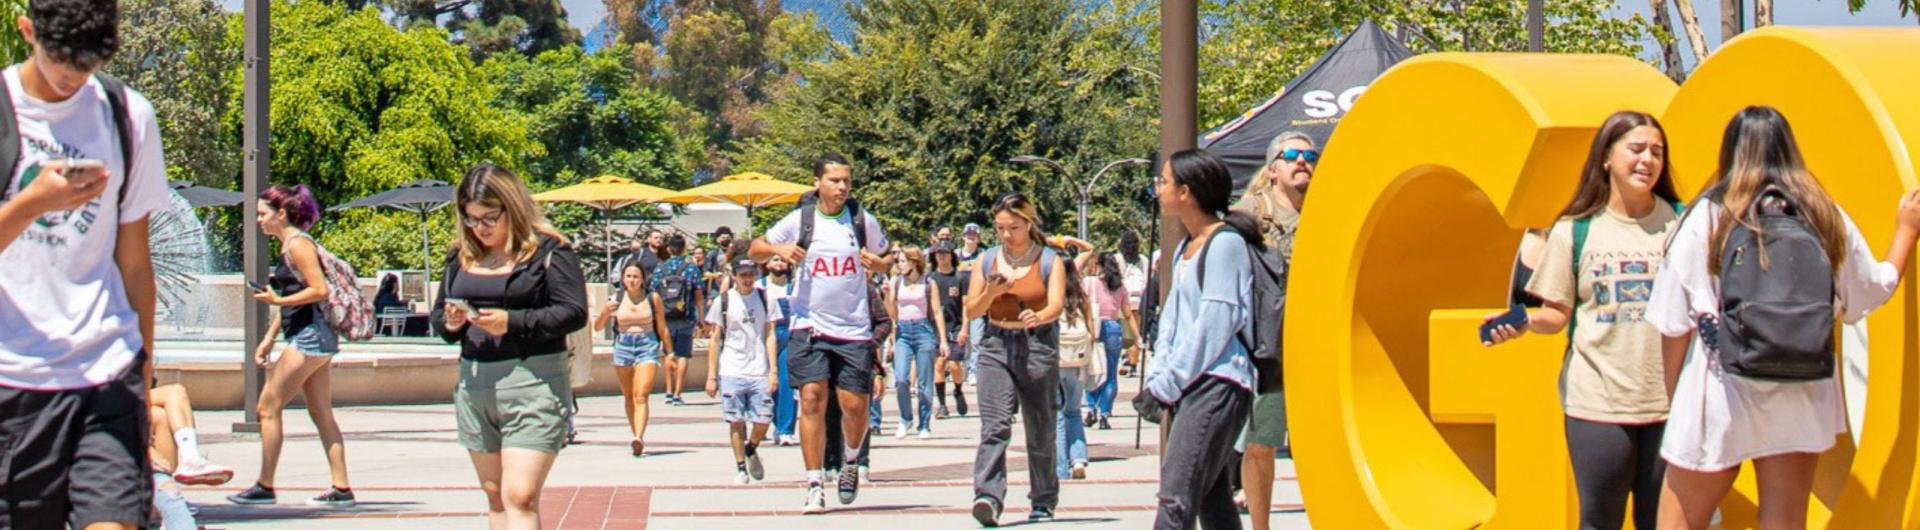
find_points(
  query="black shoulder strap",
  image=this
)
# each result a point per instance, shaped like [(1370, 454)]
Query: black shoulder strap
[(806, 224), (807, 215), (122, 126), (1200, 267), (859, 225)]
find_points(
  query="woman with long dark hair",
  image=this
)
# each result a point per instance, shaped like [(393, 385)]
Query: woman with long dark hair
[(1594, 276), (1720, 419), (1020, 286), (1135, 271), (299, 288), (640, 317), (1201, 376), (510, 296), (1105, 286), (1081, 365)]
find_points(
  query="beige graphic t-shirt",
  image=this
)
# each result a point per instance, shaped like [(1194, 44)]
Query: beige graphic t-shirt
[(1613, 372)]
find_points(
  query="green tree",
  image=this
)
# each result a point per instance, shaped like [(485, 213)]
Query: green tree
[(13, 45), (591, 116), (717, 61), (176, 53), (932, 99), (488, 27), (359, 107), (1252, 49)]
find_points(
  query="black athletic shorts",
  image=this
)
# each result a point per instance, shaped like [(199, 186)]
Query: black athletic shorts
[(75, 457), (844, 365)]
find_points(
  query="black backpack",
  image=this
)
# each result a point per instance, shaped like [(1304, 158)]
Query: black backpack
[(1262, 336), (122, 125), (1776, 295), (676, 294), (807, 203)]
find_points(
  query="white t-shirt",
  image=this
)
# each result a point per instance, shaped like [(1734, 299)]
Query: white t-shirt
[(65, 321), (776, 293), (830, 295), (743, 353), (1719, 420)]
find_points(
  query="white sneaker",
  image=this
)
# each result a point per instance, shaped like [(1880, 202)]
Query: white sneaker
[(901, 432), (926, 434), (816, 500), (740, 477), (202, 473)]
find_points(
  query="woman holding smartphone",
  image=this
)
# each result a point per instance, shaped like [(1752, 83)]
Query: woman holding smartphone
[(1596, 275), (521, 293), (298, 287), (636, 353), (1021, 287)]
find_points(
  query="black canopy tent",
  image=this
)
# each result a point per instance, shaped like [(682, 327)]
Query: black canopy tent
[(421, 197), (1312, 103)]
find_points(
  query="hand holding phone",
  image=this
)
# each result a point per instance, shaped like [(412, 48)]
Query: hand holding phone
[(65, 184), (1504, 326), (463, 305), (255, 286)]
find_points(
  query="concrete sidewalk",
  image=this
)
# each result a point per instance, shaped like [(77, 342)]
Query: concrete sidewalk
[(409, 472)]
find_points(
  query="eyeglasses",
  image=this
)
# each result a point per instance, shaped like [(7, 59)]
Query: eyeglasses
[(1292, 154), (489, 221)]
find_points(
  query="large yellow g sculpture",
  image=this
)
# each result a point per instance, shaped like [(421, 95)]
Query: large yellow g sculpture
[(1402, 420)]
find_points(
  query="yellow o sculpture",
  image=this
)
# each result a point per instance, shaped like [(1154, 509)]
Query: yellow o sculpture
[(1402, 420)]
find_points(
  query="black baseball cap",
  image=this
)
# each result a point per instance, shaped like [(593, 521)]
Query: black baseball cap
[(746, 266)]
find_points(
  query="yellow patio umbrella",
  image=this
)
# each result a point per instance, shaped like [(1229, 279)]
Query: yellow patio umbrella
[(605, 193), (749, 190)]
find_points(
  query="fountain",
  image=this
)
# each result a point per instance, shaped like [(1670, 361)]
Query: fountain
[(178, 239)]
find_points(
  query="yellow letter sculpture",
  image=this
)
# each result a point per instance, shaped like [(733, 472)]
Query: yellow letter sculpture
[(1402, 420)]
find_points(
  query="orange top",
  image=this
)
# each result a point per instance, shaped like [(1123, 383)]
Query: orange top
[(1028, 292)]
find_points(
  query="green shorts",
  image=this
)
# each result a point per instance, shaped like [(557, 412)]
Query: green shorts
[(518, 403), (1266, 423)]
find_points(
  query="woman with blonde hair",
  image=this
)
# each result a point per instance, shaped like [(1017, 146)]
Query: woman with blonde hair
[(510, 297)]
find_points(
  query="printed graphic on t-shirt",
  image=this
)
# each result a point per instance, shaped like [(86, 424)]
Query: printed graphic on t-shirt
[(57, 229), (1620, 283)]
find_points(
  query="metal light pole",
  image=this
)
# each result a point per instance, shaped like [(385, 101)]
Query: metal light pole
[(254, 145), (1085, 192)]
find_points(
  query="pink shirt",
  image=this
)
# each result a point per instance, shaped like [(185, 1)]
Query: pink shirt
[(1106, 302)]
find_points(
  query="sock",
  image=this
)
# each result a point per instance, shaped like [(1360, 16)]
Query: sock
[(189, 443), (751, 448), (816, 476), (740, 465), (940, 389), (853, 454)]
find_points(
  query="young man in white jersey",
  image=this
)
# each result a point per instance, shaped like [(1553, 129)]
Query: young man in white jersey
[(740, 367), (831, 346), (76, 277)]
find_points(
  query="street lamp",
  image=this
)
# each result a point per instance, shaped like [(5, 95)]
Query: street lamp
[(1085, 192)]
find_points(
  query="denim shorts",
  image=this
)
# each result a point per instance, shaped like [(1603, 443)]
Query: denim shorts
[(634, 349), (317, 339), (746, 400)]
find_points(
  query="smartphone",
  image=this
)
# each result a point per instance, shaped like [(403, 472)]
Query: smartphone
[(87, 168), (1516, 316), (463, 305), (255, 286)]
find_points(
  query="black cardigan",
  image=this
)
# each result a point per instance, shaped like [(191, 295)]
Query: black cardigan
[(544, 302)]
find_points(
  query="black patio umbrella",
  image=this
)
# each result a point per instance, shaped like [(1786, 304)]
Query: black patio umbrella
[(422, 197), (199, 196)]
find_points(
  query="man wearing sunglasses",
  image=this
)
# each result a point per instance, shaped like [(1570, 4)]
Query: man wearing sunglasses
[(1274, 199)]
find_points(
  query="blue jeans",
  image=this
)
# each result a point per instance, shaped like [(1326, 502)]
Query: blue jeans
[(1069, 435), (785, 408), (975, 329), (172, 505), (1101, 398), (913, 354)]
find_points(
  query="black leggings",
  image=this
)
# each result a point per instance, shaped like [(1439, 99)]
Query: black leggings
[(1610, 460)]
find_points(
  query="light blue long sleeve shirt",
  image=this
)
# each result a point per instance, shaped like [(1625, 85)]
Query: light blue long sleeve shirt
[(1197, 326)]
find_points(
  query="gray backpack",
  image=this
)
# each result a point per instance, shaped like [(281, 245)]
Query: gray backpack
[(1776, 295)]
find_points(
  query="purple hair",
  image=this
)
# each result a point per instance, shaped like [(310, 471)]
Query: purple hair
[(298, 202)]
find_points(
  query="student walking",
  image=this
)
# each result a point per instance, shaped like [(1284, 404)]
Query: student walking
[(1020, 287), (919, 324), (1595, 278), (682, 293), (1105, 287), (1783, 414), (777, 285), (1081, 365), (298, 286), (740, 370), (835, 243), (1202, 375), (511, 294), (951, 368), (637, 313), (74, 228)]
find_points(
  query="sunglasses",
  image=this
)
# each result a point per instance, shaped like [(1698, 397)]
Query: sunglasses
[(1294, 154)]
